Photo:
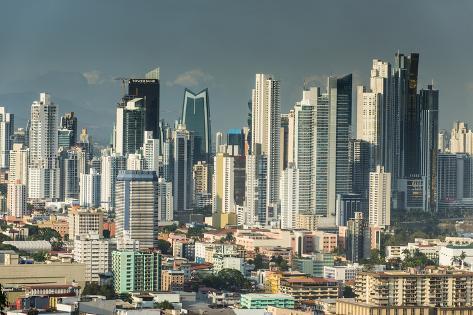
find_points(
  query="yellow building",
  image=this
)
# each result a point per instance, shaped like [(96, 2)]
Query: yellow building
[(61, 226), (272, 282), (172, 280), (220, 220)]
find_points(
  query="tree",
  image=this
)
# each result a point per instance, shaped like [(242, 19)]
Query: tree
[(259, 262), (164, 246), (126, 297), (229, 237), (39, 256), (416, 259), (280, 263), (195, 231), (3, 300), (227, 279), (93, 288), (164, 305)]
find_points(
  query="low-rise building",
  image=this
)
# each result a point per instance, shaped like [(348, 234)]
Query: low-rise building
[(172, 280), (313, 265), (342, 273), (310, 288), (262, 301)]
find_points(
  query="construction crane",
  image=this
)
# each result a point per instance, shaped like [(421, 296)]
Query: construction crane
[(124, 82)]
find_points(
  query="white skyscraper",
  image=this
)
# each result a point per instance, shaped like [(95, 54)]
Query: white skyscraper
[(255, 209), (135, 162), (137, 207), (151, 152), (223, 184), (305, 154), (266, 124), (6, 136), (43, 177), (112, 164), (165, 205), (380, 198), (90, 189), (290, 194), (461, 138), (19, 157)]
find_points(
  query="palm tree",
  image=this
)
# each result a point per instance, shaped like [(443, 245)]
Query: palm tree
[(462, 258)]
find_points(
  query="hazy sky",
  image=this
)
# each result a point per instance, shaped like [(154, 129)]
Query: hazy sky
[(74, 50)]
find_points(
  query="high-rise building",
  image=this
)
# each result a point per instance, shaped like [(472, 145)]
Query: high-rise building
[(69, 122), (219, 141), (129, 126), (256, 210), (148, 90), (266, 125), (380, 198), (69, 177), (90, 189), (239, 179), (135, 162), (429, 129), (444, 141), (43, 177), (137, 207), (7, 129), (136, 271), (165, 201), (200, 176), (321, 147), (85, 221), (151, 152), (183, 161), (289, 193), (19, 157), (196, 118), (347, 206), (112, 164), (68, 130), (16, 199), (358, 238), (305, 151), (360, 169), (223, 184), (96, 253), (284, 139), (454, 179), (406, 103), (236, 142), (461, 139)]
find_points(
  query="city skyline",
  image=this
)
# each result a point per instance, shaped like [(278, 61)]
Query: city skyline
[(82, 79)]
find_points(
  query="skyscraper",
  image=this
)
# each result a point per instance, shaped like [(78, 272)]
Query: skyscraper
[(358, 238), (429, 129), (256, 210), (183, 161), (236, 141), (223, 184), (130, 124), (265, 130), (43, 177), (406, 103), (112, 164), (69, 161), (90, 189), (461, 138), (165, 201), (19, 157), (380, 198), (6, 136), (137, 207), (148, 90), (289, 192), (196, 117), (68, 126), (151, 152)]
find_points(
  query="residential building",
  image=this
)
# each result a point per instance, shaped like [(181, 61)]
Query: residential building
[(43, 174), (90, 189), (96, 253), (358, 240), (6, 136), (17, 200), (136, 271), (303, 289), (85, 221), (380, 198), (313, 265), (183, 161), (289, 194), (266, 124), (172, 280), (223, 184), (165, 201), (19, 157), (347, 205), (112, 164), (262, 301), (432, 286)]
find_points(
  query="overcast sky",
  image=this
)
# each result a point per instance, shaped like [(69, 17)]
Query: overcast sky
[(74, 50)]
